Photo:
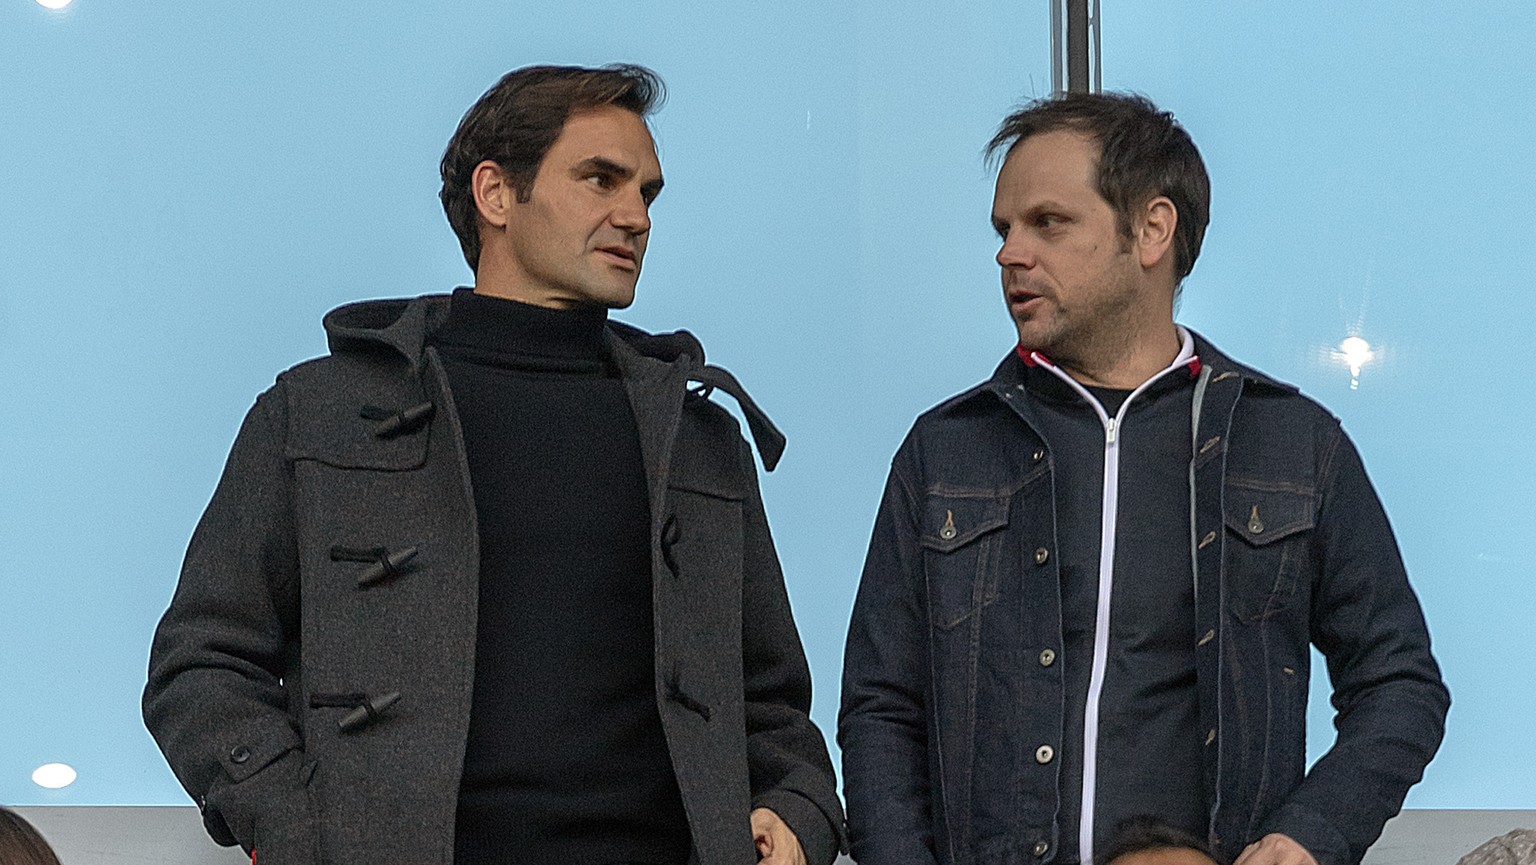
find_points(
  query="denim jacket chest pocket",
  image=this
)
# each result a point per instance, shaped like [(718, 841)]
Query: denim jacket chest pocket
[(962, 539), (1269, 536)]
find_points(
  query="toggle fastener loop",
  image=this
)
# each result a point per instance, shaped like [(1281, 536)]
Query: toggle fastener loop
[(401, 422), (384, 564), (687, 701), (367, 711), (670, 534)]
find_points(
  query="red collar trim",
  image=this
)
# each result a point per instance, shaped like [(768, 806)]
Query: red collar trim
[(1035, 358), (1030, 358)]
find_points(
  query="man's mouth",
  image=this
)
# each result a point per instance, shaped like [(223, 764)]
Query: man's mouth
[(621, 255), (1019, 297)]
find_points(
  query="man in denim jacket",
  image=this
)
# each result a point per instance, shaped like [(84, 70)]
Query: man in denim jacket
[(1095, 577)]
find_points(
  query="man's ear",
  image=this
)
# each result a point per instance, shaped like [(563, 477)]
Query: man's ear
[(1153, 231), (494, 195)]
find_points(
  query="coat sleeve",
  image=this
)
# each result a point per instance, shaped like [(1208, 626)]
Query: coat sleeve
[(215, 701), (790, 771), (883, 724), (1389, 701)]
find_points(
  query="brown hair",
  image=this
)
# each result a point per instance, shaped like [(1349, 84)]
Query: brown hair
[(21, 844), (1143, 832), (1143, 153), (516, 122)]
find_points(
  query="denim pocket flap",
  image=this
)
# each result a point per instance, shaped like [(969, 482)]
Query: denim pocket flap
[(954, 520), (1263, 516)]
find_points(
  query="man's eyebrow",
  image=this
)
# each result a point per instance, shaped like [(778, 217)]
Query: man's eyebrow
[(607, 166), (604, 165), (1047, 204)]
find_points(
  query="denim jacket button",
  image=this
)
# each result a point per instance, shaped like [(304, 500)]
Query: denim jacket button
[(1038, 455), (1041, 555), (1047, 657), (1044, 754), (1210, 736), (1041, 848)]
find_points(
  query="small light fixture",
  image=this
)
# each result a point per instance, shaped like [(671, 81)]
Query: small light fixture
[(54, 4), (1354, 352), (54, 776)]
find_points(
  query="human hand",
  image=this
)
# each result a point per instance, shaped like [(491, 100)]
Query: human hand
[(1275, 849), (776, 843)]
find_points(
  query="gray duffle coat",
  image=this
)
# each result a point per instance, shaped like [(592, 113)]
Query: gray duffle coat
[(264, 615)]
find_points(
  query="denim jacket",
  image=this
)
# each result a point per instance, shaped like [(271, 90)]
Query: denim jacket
[(949, 690)]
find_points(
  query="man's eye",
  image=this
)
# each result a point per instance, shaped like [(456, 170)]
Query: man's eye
[(1001, 229), (1050, 220), (601, 181)]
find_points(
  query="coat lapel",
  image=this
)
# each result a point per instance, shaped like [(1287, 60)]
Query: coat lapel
[(656, 392)]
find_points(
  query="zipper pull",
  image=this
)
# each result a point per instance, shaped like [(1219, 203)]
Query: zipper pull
[(1109, 432)]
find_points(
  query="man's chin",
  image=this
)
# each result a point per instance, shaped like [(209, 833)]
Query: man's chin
[(1032, 337), (621, 299), (609, 294)]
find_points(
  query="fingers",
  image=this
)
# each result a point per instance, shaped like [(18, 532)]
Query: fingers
[(776, 842), (778, 847), (1275, 849), (761, 820)]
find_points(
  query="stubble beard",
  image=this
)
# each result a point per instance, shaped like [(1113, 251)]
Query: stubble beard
[(1095, 338)]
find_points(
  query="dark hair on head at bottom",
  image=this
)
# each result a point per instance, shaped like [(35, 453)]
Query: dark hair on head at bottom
[(21, 844), (1135, 834)]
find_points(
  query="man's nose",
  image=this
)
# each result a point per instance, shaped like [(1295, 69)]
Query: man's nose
[(1016, 251), (632, 214)]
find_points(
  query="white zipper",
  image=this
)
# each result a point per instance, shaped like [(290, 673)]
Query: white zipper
[(1109, 509)]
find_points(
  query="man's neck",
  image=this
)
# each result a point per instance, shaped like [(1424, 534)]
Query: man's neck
[(511, 291), (1125, 365)]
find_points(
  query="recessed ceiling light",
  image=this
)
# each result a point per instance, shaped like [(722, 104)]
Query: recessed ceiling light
[(54, 776)]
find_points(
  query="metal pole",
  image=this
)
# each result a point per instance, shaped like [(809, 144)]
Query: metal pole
[(1093, 24), (1058, 41), (1078, 80), (1075, 54)]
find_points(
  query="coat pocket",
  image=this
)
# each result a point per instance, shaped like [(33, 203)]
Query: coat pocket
[(701, 535), (270, 810), (962, 541), (1269, 536)]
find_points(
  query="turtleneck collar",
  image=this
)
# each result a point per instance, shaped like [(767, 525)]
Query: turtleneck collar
[(512, 333)]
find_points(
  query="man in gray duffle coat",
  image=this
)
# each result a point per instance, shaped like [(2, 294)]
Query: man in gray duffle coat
[(492, 582)]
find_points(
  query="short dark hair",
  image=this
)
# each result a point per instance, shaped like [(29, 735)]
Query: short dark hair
[(21, 844), (1135, 834), (516, 122), (1143, 153)]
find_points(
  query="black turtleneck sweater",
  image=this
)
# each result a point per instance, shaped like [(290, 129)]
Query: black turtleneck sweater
[(566, 761)]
